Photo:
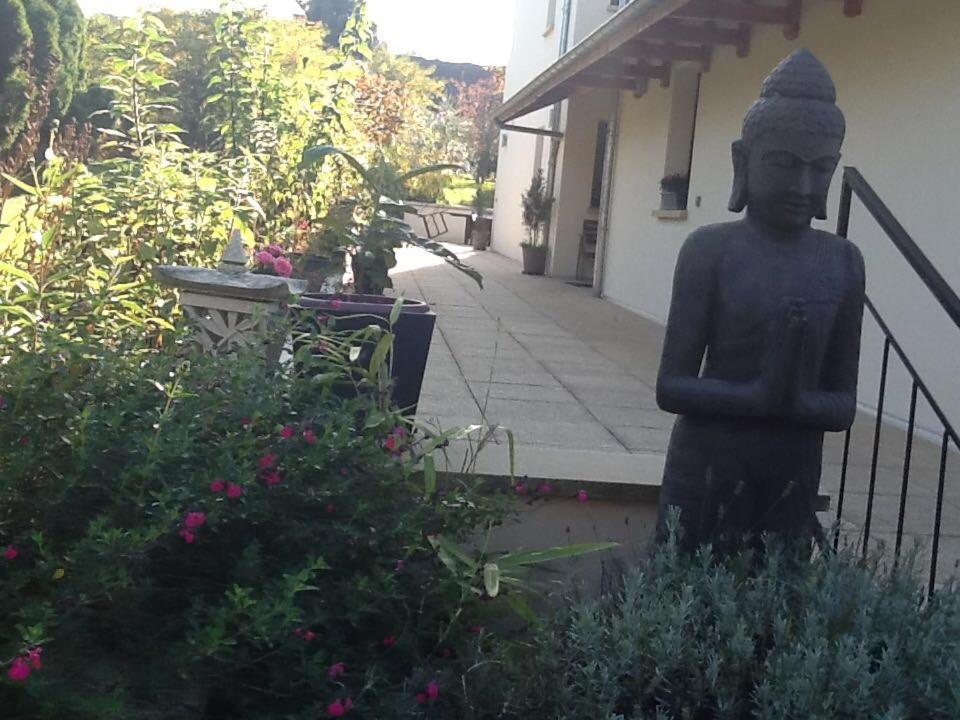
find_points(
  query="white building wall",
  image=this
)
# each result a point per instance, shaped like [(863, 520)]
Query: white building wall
[(535, 49), (896, 68)]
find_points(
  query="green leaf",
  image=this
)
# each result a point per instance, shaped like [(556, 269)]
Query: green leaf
[(23, 186), (491, 579), (516, 603), (429, 475), (395, 311), (537, 557), (18, 273)]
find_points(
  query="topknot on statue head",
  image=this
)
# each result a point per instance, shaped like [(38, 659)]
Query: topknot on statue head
[(798, 96)]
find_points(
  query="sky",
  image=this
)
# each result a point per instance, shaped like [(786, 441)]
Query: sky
[(475, 31)]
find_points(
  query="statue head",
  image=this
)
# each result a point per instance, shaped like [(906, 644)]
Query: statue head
[(790, 146)]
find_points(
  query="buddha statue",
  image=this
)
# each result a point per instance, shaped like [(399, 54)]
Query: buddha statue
[(763, 339)]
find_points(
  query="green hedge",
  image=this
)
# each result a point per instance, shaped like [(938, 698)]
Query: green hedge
[(15, 85)]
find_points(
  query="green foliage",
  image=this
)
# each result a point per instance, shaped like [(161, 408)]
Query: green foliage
[(141, 108), (376, 229), (749, 637), (325, 558), (536, 206), (16, 41), (71, 40)]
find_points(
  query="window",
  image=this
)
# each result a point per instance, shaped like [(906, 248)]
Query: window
[(675, 185), (551, 15)]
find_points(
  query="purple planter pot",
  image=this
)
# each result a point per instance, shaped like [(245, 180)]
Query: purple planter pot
[(413, 333)]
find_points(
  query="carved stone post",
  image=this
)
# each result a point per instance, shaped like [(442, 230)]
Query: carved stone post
[(230, 307)]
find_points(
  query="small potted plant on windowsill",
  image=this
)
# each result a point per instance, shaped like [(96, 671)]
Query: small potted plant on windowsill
[(536, 212), (673, 191)]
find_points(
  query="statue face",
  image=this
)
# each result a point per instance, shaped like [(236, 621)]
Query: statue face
[(788, 177)]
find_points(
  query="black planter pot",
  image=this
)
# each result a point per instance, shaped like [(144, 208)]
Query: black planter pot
[(413, 332)]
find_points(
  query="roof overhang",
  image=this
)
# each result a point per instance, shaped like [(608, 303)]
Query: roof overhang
[(643, 40)]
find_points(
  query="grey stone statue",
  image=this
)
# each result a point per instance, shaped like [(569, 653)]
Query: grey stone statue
[(763, 338)]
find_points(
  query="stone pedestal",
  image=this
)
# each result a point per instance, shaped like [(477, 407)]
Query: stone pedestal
[(231, 307)]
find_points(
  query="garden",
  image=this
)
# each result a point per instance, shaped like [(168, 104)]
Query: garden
[(187, 534)]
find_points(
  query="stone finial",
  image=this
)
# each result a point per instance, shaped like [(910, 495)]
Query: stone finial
[(234, 260)]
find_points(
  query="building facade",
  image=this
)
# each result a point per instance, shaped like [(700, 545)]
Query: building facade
[(656, 90)]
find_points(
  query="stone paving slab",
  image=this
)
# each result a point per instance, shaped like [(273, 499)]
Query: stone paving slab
[(573, 376)]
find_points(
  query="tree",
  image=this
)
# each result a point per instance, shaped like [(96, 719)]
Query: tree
[(477, 103), (16, 43)]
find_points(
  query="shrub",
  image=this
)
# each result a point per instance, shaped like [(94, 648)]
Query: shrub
[(201, 539), (696, 637), (15, 84)]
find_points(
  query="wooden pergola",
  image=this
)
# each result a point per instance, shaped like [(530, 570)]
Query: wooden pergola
[(643, 40)]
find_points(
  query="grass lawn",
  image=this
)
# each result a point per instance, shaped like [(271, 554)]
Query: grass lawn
[(463, 189)]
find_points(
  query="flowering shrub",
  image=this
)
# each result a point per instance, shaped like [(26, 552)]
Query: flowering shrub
[(272, 261), (780, 637), (202, 539)]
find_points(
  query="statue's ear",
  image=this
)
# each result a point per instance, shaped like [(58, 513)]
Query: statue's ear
[(738, 199), (821, 208)]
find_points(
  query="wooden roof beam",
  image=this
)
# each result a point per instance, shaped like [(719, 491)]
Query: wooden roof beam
[(787, 15), (677, 31), (645, 50)]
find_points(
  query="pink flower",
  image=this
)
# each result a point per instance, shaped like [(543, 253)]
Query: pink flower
[(582, 496), (400, 432), (193, 520), (267, 461), (272, 478), (265, 258), (282, 267), (309, 635), (336, 304), (433, 690), (287, 432), (188, 537), (336, 670), (275, 250), (339, 708), (390, 443), (19, 670), (322, 319), (389, 641), (218, 485), (520, 489), (400, 566), (298, 632), (309, 437), (33, 655), (422, 698), (11, 553), (245, 423), (303, 224), (545, 489), (234, 491), (475, 629)]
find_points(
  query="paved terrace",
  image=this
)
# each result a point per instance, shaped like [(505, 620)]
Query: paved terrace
[(573, 377)]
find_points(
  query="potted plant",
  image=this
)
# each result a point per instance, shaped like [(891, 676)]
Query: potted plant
[(673, 191), (536, 212), (320, 256), (482, 225), (371, 232)]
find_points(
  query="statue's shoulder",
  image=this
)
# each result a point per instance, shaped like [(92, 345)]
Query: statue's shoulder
[(842, 250), (711, 240)]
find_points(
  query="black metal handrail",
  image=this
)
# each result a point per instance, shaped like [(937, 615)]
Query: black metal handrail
[(855, 184)]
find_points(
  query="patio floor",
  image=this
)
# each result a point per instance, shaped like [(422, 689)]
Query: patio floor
[(573, 377)]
